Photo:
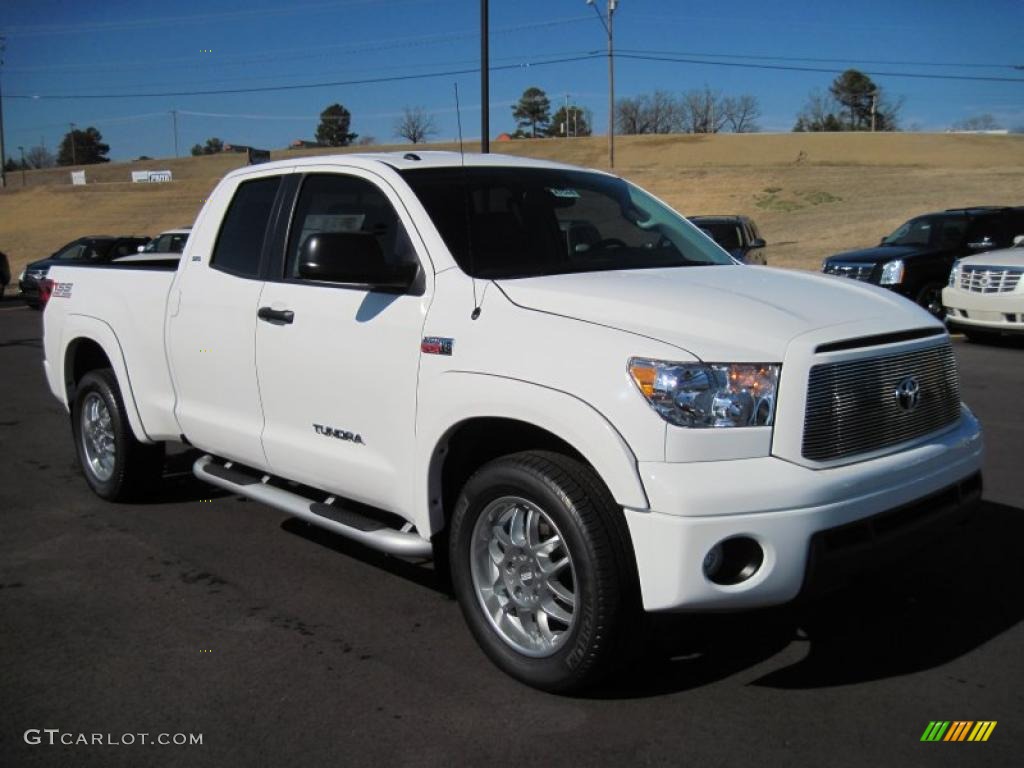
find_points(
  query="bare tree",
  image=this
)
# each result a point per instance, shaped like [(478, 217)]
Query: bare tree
[(415, 125), (658, 112), (984, 122), (703, 111), (819, 113), (40, 157), (741, 113)]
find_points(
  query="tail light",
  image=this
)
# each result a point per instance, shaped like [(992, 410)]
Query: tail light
[(45, 291)]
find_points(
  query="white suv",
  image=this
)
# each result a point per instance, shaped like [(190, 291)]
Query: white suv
[(985, 295)]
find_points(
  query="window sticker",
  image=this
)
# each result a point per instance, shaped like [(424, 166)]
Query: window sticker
[(571, 194)]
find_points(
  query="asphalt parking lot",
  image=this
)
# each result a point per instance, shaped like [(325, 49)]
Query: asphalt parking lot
[(200, 613)]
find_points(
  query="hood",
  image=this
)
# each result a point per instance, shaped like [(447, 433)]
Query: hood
[(717, 313), (40, 265), (1008, 257), (881, 253)]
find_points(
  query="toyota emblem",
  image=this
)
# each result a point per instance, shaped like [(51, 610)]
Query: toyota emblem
[(908, 394)]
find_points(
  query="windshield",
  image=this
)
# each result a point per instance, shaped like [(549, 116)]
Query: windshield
[(939, 231), (523, 222)]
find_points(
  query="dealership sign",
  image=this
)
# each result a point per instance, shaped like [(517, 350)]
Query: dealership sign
[(150, 176), (78, 177)]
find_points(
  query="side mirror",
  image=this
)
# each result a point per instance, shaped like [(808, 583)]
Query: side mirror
[(758, 242), (1018, 241), (353, 258), (140, 249)]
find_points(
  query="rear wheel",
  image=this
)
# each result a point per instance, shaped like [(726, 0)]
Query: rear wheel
[(543, 570), (116, 465)]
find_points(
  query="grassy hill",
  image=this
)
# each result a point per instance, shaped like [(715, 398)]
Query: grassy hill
[(812, 194)]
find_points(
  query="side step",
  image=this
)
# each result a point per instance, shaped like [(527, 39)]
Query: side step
[(344, 522)]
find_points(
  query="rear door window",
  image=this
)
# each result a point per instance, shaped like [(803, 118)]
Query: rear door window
[(240, 242)]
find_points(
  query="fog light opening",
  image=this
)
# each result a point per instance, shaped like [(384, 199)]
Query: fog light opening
[(733, 561)]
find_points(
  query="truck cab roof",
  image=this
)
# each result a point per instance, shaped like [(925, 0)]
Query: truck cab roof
[(411, 160)]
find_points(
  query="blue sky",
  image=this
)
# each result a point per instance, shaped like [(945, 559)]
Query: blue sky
[(117, 47)]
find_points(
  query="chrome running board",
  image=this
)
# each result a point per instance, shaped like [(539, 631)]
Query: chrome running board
[(325, 514)]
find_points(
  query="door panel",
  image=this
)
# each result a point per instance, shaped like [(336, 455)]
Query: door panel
[(211, 336), (338, 382)]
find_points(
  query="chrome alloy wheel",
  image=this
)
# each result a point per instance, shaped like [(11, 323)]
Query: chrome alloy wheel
[(523, 576), (97, 435)]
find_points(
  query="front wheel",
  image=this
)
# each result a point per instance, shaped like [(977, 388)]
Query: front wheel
[(930, 297), (116, 465), (543, 570)]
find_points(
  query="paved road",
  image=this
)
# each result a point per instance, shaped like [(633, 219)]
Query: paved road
[(202, 613)]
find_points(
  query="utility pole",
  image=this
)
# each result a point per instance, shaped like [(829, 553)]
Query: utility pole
[(485, 87), (3, 157), (22, 150), (609, 28), (74, 160), (174, 120), (874, 98)]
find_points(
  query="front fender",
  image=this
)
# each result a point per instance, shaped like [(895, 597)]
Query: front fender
[(77, 327), (457, 396)]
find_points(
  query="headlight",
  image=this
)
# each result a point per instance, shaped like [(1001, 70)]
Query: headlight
[(892, 272), (21, 276), (709, 394), (954, 273)]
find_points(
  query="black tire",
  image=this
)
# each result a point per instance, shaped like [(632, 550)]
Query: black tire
[(930, 298), (607, 614), (136, 467)]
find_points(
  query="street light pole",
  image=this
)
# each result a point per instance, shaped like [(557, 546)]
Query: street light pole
[(22, 150), (609, 28), (3, 157), (74, 160), (485, 90)]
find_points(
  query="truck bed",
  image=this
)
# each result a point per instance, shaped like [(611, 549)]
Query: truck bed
[(121, 307)]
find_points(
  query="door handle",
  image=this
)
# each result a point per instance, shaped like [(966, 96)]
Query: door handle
[(277, 316)]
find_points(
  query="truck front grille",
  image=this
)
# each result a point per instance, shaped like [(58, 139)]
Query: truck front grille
[(854, 269), (979, 279), (868, 404)]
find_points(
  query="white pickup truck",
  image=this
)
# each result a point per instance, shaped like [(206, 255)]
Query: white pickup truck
[(540, 376)]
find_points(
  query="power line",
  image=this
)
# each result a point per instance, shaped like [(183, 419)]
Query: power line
[(830, 71), (764, 57), (306, 52), (165, 21), (301, 86)]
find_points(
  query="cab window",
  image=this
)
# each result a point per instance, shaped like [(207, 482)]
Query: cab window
[(339, 203), (240, 241)]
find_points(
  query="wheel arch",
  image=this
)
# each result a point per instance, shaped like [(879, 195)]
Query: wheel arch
[(491, 416), (91, 345)]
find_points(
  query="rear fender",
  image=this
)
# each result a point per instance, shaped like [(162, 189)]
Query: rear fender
[(78, 327)]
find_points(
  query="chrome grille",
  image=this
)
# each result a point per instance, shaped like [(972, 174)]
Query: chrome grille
[(853, 406), (854, 269), (980, 279)]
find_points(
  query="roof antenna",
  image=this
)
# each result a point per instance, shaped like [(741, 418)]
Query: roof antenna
[(465, 190)]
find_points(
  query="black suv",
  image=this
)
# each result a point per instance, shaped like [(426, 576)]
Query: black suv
[(98, 249), (736, 234), (916, 259)]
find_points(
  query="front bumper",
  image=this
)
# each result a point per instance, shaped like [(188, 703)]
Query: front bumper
[(781, 506), (997, 312)]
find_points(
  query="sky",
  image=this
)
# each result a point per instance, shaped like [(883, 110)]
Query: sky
[(117, 50)]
